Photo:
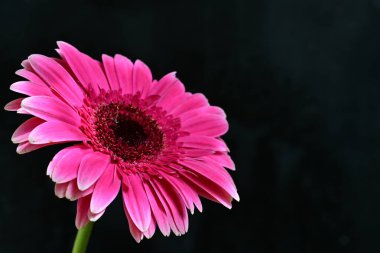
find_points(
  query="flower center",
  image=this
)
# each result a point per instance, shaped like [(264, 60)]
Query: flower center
[(128, 132)]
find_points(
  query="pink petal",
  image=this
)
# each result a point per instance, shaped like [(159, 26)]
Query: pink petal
[(142, 78), (83, 206), (67, 168), (14, 105), (204, 111), (26, 147), (135, 232), (152, 228), (91, 168), (60, 190), (223, 159), (158, 210), (202, 142), (211, 125), (57, 158), (136, 201), (164, 84), (216, 110), (171, 103), (172, 95), (109, 67), (51, 109), (124, 68), (167, 208), (58, 78), (189, 196), (87, 70), (94, 216), (175, 204), (22, 132), (106, 189), (30, 89), (55, 131), (216, 174), (191, 114), (73, 192), (26, 65), (195, 101), (208, 189), (22, 111), (31, 76)]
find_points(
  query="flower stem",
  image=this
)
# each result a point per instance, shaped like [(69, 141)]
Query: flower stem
[(82, 238)]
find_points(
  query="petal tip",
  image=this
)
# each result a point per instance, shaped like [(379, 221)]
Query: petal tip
[(35, 57), (20, 151), (31, 140), (237, 197), (14, 140), (61, 44), (82, 186), (7, 107)]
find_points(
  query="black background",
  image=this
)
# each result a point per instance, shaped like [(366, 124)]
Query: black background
[(299, 81)]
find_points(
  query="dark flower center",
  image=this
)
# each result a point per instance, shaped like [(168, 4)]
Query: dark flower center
[(128, 132)]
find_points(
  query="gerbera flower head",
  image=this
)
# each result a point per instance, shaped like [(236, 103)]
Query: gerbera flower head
[(157, 143)]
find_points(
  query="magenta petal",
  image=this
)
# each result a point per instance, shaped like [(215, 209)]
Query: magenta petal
[(212, 126), (22, 132), (58, 79), (176, 205), (204, 112), (124, 68), (73, 192), (171, 103), (60, 190), (109, 67), (14, 105), (172, 96), (135, 232), (136, 201), (91, 168), (26, 147), (50, 109), (94, 216), (30, 89), (216, 110), (57, 158), (166, 206), (164, 84), (216, 174), (26, 65), (208, 189), (23, 111), (106, 189), (87, 70), (83, 206), (189, 196), (67, 168), (142, 78), (158, 210), (223, 159), (203, 142), (31, 76), (152, 228), (54, 131), (195, 101)]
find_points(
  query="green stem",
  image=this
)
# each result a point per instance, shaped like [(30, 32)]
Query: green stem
[(82, 238)]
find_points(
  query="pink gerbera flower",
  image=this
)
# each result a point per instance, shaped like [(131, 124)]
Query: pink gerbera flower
[(157, 143)]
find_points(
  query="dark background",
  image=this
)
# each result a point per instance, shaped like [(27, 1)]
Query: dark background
[(299, 81)]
